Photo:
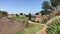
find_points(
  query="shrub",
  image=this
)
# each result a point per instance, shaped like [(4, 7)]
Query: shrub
[(17, 15), (53, 28), (21, 13)]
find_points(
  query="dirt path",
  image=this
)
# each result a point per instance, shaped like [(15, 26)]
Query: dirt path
[(43, 30)]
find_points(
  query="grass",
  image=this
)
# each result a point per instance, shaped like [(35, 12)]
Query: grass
[(31, 29), (19, 18)]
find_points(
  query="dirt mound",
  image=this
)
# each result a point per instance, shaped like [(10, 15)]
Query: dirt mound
[(10, 26)]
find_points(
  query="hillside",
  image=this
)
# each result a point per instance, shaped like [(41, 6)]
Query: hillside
[(43, 30), (10, 26), (53, 26)]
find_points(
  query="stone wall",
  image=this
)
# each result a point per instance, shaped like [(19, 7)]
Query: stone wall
[(10, 26), (38, 18)]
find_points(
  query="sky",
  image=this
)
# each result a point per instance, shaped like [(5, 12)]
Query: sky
[(21, 6)]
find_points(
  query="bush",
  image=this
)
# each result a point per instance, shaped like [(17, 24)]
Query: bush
[(3, 13), (17, 15), (53, 28), (21, 13), (33, 20)]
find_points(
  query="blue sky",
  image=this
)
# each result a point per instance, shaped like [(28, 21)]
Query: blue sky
[(18, 6)]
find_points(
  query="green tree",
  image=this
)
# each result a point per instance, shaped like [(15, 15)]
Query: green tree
[(21, 13), (4, 13), (29, 16), (37, 13), (46, 6), (55, 3), (0, 12), (26, 15), (45, 12), (17, 15)]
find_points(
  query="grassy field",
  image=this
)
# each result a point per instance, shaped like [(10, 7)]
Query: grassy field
[(19, 18), (31, 29)]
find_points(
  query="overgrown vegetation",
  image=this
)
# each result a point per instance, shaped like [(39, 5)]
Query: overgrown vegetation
[(29, 16), (54, 27), (19, 18), (3, 13), (31, 29)]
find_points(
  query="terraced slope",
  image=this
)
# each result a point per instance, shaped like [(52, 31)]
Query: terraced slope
[(42, 31)]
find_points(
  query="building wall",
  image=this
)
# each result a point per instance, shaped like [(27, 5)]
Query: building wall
[(38, 18)]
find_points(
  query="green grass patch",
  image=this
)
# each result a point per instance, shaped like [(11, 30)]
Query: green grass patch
[(31, 29), (19, 18)]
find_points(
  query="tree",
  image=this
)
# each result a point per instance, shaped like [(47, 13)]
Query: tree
[(45, 12), (55, 3), (21, 13), (29, 16), (17, 15), (26, 15), (4, 13), (12, 14), (0, 12), (46, 6), (37, 13)]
